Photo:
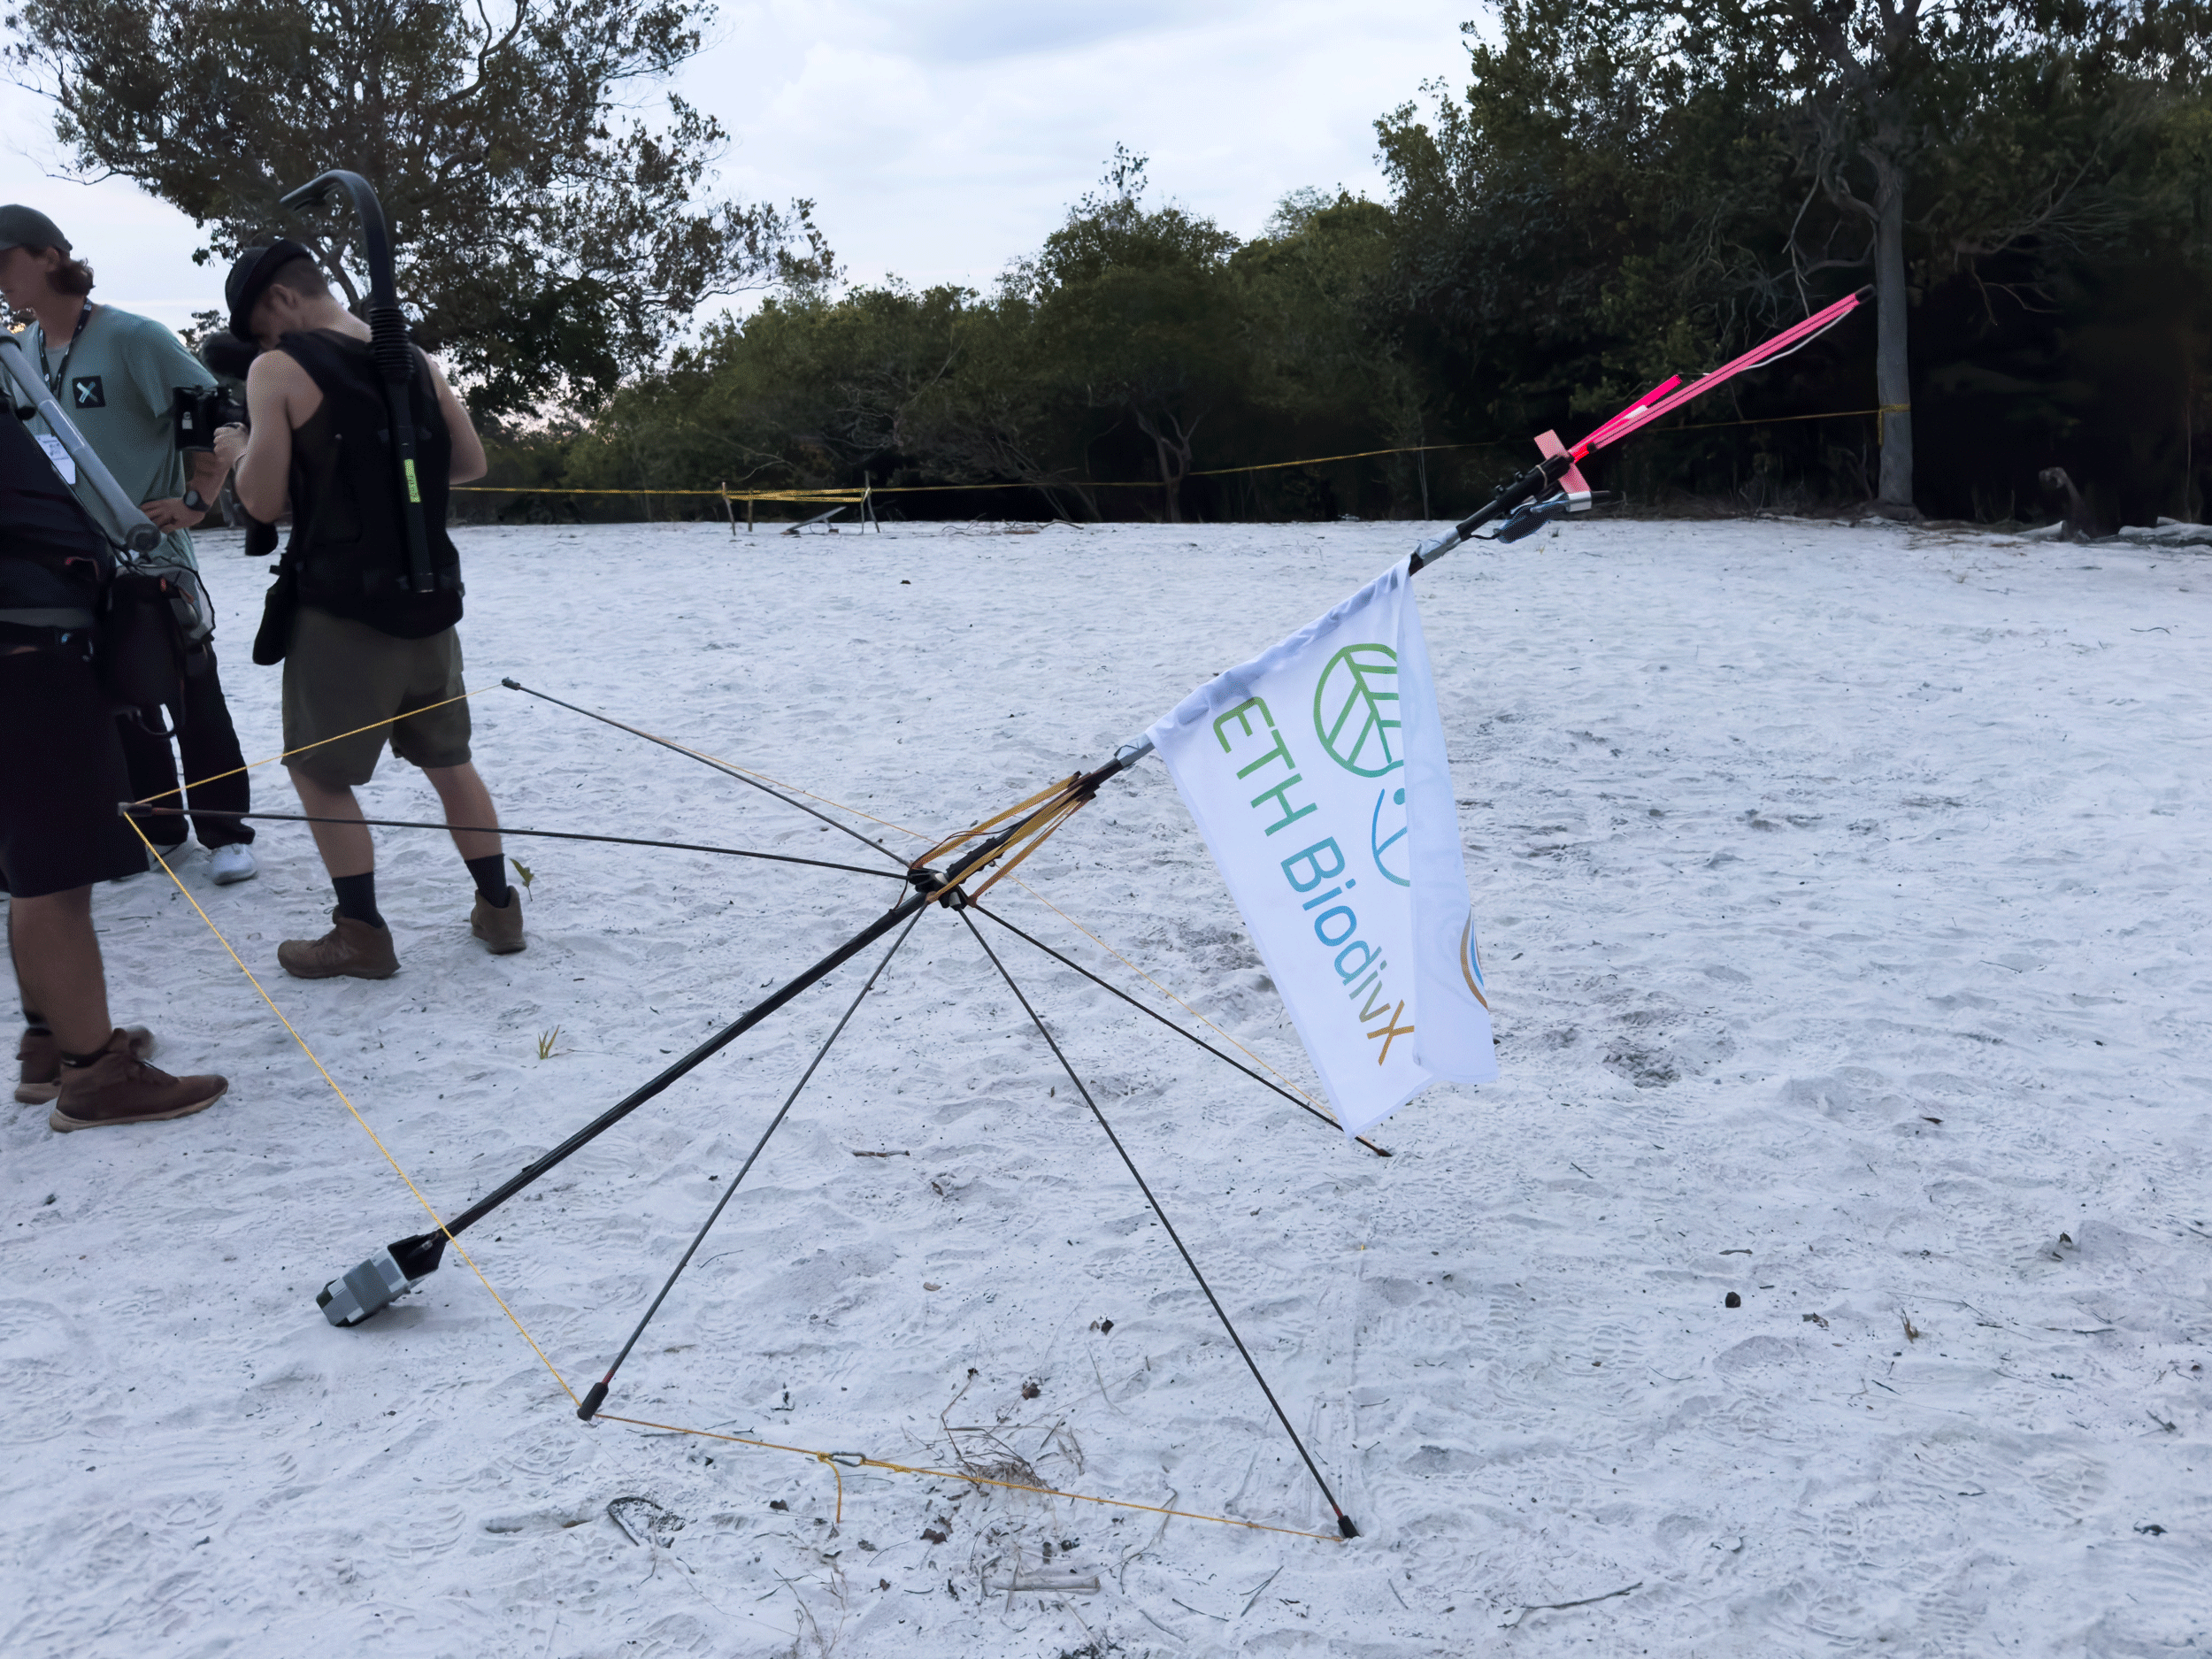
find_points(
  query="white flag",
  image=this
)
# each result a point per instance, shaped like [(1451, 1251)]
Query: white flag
[(1317, 772)]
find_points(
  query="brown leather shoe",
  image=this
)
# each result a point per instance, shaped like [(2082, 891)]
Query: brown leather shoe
[(41, 1056), (118, 1087), (351, 946), (501, 929)]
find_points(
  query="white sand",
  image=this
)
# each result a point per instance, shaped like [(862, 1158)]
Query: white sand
[(1843, 900)]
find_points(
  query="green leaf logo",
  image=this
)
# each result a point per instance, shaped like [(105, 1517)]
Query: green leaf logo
[(1355, 710)]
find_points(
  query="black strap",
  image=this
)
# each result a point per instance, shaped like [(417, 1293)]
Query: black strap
[(54, 380)]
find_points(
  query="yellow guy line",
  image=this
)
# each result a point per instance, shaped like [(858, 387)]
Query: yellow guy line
[(860, 1461), (349, 1106), (302, 750), (826, 1457)]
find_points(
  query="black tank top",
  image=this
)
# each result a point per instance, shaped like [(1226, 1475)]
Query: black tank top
[(348, 543)]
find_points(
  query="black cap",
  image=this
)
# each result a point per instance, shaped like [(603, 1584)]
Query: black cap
[(226, 355), (251, 275), (22, 226)]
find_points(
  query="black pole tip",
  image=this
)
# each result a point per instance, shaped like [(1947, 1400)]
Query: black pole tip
[(510, 682), (1344, 1524), (592, 1401), (421, 1256)]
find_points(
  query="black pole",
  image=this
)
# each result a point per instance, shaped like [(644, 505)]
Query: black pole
[(597, 1397), (139, 809), (723, 767), (394, 353), (1343, 1521), (422, 1254), (1303, 1105)]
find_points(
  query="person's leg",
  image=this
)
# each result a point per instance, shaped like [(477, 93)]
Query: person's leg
[(347, 847), (38, 1057), (152, 769), (496, 918), (57, 966), (469, 812), (214, 766), (104, 1078), (358, 944), (32, 1017)]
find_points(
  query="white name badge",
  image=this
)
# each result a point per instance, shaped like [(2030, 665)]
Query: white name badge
[(58, 456)]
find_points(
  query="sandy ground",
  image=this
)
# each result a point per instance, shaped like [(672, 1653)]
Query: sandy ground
[(1843, 906)]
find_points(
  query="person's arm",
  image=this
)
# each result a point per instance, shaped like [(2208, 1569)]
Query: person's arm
[(157, 364), (262, 457), (469, 464)]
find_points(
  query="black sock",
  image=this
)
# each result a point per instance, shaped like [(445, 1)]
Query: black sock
[(356, 897), (490, 874), (78, 1062)]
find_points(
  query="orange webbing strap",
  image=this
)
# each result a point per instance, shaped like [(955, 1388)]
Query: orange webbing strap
[(989, 824), (435, 1219), (1032, 836), (861, 1460), (302, 750)]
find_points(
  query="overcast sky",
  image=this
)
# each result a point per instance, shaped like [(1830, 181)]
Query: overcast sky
[(939, 141)]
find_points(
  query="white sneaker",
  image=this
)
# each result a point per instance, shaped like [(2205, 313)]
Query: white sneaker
[(234, 862)]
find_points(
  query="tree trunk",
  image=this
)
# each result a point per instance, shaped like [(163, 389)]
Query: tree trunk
[(1893, 368), (1172, 440)]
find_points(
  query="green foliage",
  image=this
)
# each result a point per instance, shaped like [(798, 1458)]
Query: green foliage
[(547, 239), (1622, 190)]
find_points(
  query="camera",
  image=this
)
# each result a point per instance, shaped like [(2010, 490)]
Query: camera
[(199, 410)]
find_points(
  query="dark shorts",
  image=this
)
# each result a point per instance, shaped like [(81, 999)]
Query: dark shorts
[(347, 688), (61, 774)]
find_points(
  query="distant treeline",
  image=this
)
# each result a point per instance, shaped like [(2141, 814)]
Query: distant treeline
[(1624, 191)]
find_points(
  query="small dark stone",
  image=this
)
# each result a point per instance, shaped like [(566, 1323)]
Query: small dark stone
[(1734, 1301), (778, 1503)]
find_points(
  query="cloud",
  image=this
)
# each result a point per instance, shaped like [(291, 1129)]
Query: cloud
[(942, 140)]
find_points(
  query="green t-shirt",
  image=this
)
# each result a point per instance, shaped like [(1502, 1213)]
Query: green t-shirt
[(119, 386)]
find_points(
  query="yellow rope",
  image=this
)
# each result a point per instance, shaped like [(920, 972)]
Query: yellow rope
[(1776, 420), (862, 1460), (840, 494), (351, 1107), (303, 748), (1055, 814)]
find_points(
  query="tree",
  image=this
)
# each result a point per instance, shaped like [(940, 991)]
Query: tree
[(547, 235), (1952, 133), (1135, 308)]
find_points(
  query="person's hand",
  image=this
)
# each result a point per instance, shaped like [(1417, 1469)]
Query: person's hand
[(170, 515), (230, 443)]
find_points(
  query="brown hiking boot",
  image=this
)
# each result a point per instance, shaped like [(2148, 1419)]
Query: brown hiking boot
[(501, 929), (350, 947), (118, 1087), (41, 1056)]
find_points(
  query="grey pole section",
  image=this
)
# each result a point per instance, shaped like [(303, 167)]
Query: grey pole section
[(118, 514)]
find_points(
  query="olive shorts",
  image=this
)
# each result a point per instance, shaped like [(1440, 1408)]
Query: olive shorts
[(347, 688)]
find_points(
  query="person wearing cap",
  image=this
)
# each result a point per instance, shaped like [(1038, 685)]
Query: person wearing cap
[(370, 653), (117, 376)]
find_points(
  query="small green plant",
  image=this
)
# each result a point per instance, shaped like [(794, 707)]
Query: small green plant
[(546, 1040), (521, 870)]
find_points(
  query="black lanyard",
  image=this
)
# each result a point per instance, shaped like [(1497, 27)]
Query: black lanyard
[(54, 380)]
